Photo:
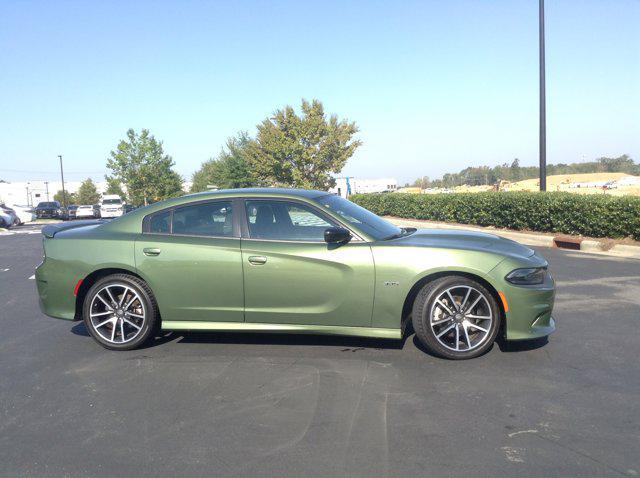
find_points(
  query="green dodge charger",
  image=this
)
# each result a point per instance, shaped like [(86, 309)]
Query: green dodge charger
[(287, 260)]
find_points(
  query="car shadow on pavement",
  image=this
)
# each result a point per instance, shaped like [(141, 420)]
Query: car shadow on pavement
[(521, 345), (163, 337), (503, 345), (260, 339), (351, 343)]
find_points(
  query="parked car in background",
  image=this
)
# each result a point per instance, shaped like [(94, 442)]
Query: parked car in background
[(13, 217), (24, 213), (86, 212), (71, 211), (111, 206), (128, 208), (50, 210), (291, 261), (6, 221)]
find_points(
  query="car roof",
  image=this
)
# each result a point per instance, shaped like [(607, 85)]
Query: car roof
[(305, 193)]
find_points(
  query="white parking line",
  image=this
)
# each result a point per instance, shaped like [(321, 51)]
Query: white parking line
[(33, 277)]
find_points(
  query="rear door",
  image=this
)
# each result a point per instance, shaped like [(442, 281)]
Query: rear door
[(291, 276), (190, 256)]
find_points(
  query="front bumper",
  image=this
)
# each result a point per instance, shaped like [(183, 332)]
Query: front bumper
[(530, 308), (47, 215), (104, 213)]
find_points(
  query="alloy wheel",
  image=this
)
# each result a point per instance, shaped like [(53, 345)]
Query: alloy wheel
[(117, 313), (461, 318)]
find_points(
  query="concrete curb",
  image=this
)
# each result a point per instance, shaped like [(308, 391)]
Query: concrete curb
[(540, 240)]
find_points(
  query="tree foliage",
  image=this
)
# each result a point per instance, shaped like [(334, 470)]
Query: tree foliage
[(87, 193), (139, 162), (301, 151), (114, 187), (70, 197), (514, 172), (228, 170)]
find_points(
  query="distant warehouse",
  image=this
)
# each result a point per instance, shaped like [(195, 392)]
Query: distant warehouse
[(348, 185)]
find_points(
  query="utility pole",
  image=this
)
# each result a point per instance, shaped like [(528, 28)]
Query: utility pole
[(64, 194), (543, 111), (46, 186)]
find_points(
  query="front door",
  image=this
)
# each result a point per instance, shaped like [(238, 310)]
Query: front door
[(291, 276), (190, 256)]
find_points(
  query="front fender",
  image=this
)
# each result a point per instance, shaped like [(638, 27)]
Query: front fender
[(398, 270)]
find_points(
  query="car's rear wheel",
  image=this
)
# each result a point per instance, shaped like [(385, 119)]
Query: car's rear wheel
[(456, 317), (120, 312)]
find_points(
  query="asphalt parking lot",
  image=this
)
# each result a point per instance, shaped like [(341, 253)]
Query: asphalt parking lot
[(273, 405)]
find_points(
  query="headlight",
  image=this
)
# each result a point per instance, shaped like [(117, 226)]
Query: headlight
[(532, 276)]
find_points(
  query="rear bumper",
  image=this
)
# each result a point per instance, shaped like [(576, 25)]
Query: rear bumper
[(54, 298)]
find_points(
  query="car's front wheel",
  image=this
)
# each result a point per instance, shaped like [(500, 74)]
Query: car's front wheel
[(120, 312), (456, 317)]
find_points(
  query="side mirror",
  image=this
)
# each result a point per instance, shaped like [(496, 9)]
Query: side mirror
[(336, 235)]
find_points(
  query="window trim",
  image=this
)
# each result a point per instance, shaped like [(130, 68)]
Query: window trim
[(331, 220), (235, 218)]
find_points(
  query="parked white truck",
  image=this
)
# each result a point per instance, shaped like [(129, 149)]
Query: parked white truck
[(111, 205)]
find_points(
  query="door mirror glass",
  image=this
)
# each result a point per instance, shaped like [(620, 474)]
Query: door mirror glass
[(336, 235)]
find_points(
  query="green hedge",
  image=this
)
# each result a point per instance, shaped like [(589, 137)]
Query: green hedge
[(588, 215)]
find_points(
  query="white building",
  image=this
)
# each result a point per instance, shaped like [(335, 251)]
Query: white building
[(348, 185), (32, 192)]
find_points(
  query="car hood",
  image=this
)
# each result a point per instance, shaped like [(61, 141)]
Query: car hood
[(466, 240)]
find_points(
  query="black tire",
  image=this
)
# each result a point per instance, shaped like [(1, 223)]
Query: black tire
[(476, 335), (144, 304)]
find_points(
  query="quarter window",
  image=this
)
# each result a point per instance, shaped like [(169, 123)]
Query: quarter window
[(204, 219), (285, 221), (160, 223)]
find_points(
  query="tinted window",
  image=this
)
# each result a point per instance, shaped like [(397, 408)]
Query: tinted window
[(205, 219), (287, 221), (160, 222), (112, 201)]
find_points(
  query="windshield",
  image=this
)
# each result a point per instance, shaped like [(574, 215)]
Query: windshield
[(47, 204), (364, 220), (112, 201)]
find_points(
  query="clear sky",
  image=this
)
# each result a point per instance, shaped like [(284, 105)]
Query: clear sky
[(434, 86)]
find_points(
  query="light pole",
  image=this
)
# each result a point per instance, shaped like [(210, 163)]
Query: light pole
[(46, 185), (64, 194), (543, 111)]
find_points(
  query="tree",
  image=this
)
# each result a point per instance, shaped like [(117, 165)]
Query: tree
[(229, 170), (71, 198), (114, 187), (142, 166), (422, 183), (301, 151), (87, 193)]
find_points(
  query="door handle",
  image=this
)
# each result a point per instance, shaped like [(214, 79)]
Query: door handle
[(257, 260), (151, 251)]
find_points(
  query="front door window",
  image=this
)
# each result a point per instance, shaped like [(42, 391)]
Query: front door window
[(285, 221)]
